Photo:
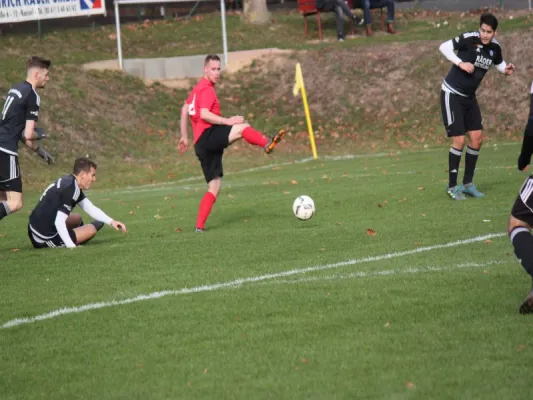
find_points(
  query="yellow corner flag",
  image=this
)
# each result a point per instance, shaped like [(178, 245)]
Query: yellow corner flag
[(299, 87)]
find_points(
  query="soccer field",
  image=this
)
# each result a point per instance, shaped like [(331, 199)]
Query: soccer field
[(391, 290)]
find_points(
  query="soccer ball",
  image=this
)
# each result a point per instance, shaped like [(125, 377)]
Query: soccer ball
[(303, 207)]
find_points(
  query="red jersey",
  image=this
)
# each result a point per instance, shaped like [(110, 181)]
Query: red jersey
[(202, 96)]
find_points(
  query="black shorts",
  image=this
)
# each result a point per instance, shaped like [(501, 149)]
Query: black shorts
[(523, 206), (460, 114), (10, 180), (55, 241), (209, 149)]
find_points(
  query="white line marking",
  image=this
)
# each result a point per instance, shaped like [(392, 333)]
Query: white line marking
[(241, 281), (362, 274), (140, 188)]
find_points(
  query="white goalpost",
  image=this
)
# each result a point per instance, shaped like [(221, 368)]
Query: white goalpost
[(123, 2)]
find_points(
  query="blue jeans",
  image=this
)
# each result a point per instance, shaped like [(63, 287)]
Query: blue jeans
[(369, 4)]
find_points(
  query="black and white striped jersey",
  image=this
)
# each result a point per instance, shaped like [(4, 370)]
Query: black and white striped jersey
[(470, 49), (22, 104), (62, 195)]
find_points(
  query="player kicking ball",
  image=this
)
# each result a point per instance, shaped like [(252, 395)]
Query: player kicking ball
[(51, 222), (213, 133)]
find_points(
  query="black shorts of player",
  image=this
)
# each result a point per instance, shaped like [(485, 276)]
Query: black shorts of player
[(523, 206), (460, 114), (10, 180), (209, 149), (54, 242)]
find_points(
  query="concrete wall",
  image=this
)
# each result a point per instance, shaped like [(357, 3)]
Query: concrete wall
[(167, 68)]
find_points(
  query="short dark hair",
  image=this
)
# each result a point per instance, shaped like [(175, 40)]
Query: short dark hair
[(211, 57), (38, 62), (83, 164), (490, 20)]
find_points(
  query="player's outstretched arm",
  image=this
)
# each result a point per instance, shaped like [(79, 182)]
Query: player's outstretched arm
[(96, 213)]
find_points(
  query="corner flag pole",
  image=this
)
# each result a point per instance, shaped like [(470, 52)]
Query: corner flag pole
[(299, 87)]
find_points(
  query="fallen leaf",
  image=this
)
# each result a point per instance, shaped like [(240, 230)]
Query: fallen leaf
[(485, 271), (3, 234), (521, 347), (338, 223), (410, 385), (157, 216), (387, 325), (371, 232), (294, 182), (284, 192), (231, 196), (305, 360), (177, 230), (423, 215), (488, 241), (205, 371), (15, 250), (421, 188), (132, 213), (417, 243), (166, 198)]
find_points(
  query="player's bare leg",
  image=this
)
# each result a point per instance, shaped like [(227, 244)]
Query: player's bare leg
[(10, 203), (522, 241), (84, 233), (209, 199), (472, 154), (246, 132)]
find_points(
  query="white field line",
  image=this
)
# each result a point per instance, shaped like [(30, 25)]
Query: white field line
[(229, 185), (238, 282), (151, 186), (388, 272)]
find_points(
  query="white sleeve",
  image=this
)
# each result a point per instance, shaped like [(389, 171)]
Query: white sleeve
[(93, 211), (61, 226), (501, 67), (446, 48)]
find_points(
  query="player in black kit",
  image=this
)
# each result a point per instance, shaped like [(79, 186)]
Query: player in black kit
[(476, 52), (17, 123), (51, 222), (521, 218)]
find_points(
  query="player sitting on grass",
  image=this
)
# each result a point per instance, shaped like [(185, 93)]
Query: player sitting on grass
[(51, 222)]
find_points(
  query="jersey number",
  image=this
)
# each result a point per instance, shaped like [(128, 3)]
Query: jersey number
[(46, 190), (8, 102), (192, 110)]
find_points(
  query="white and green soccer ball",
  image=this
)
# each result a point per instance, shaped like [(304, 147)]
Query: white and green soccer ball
[(303, 207)]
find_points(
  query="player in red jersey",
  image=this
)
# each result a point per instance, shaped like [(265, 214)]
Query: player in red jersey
[(213, 133)]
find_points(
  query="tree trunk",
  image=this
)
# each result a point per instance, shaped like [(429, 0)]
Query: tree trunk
[(255, 12)]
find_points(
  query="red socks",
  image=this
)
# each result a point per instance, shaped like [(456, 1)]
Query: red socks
[(205, 208), (254, 137)]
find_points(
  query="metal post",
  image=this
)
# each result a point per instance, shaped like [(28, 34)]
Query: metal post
[(39, 30), (529, 5), (119, 42), (224, 38)]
